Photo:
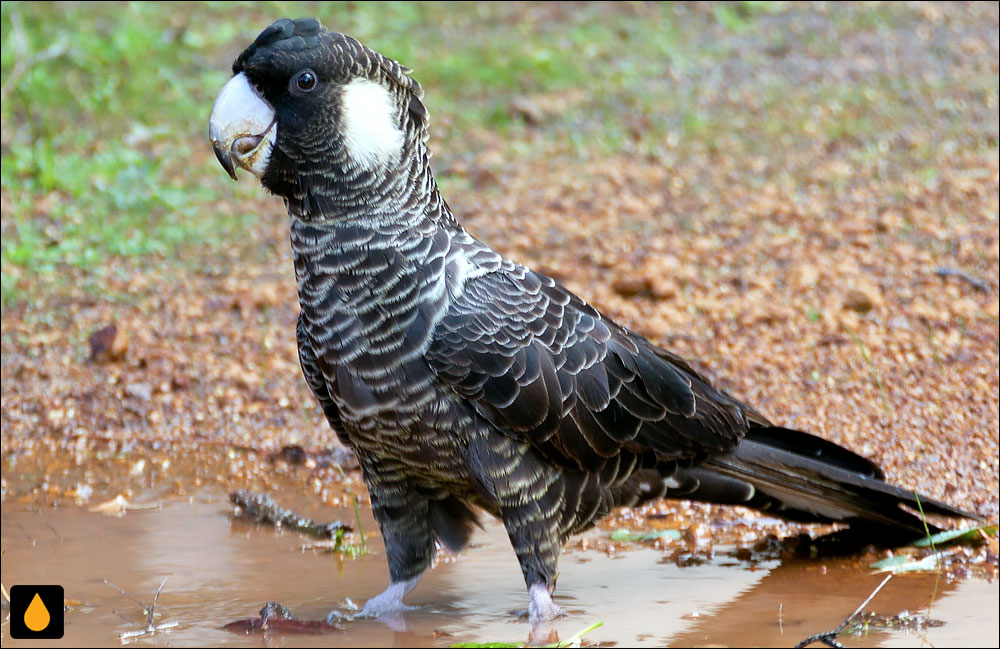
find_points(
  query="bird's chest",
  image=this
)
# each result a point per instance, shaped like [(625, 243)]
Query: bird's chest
[(368, 313), (396, 412), (366, 317), (358, 300)]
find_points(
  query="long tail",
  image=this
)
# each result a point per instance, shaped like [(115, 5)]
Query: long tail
[(801, 477)]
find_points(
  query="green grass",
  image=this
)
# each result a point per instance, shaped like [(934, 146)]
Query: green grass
[(102, 109)]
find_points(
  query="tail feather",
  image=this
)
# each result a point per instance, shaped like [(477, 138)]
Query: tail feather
[(801, 477)]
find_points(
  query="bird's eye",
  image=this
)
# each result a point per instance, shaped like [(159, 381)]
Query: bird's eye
[(305, 80)]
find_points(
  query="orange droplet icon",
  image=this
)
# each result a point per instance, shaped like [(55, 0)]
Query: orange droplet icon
[(37, 616)]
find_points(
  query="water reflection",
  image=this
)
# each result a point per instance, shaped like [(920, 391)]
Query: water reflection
[(222, 570)]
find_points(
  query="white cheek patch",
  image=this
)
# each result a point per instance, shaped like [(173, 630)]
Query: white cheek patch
[(371, 133)]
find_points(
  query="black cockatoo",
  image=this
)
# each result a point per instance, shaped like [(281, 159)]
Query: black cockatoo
[(465, 381)]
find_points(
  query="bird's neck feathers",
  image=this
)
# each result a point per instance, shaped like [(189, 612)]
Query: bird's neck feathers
[(377, 172)]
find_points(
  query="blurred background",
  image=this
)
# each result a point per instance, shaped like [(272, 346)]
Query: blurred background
[(802, 198), (103, 140)]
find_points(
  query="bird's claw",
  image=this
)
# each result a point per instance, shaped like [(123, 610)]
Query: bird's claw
[(382, 610), (386, 607), (388, 611), (546, 614), (542, 608), (336, 616)]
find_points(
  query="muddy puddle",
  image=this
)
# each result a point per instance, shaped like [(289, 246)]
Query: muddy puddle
[(220, 570)]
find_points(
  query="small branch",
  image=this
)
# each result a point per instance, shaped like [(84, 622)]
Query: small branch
[(261, 508), (151, 627), (152, 607), (974, 282), (829, 638), (121, 591)]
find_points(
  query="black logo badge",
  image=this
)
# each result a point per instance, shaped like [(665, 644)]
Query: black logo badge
[(36, 612)]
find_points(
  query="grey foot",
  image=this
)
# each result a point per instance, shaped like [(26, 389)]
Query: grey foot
[(386, 607), (542, 608), (336, 616), (383, 606)]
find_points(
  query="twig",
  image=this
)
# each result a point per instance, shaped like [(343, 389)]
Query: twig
[(151, 627), (152, 607), (125, 619), (261, 508), (829, 638), (121, 591), (974, 282)]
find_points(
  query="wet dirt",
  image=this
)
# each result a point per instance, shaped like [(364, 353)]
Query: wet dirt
[(220, 569)]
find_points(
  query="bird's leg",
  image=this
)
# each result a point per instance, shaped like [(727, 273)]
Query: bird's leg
[(526, 491), (402, 515), (541, 612), (537, 546)]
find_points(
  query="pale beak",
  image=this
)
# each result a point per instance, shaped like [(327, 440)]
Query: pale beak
[(242, 127)]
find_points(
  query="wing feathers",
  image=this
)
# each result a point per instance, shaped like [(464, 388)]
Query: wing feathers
[(545, 368)]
